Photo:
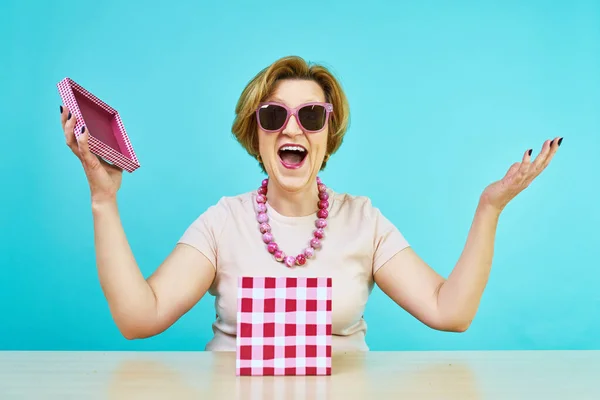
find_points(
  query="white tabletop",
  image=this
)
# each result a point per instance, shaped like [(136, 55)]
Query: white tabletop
[(372, 375)]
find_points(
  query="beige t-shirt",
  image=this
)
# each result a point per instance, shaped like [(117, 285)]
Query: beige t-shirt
[(358, 240)]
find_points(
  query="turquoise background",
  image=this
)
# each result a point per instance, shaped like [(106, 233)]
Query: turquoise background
[(444, 98)]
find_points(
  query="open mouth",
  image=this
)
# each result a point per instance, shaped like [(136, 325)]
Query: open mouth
[(292, 156)]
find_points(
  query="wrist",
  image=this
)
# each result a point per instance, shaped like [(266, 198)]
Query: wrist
[(104, 205), (486, 208)]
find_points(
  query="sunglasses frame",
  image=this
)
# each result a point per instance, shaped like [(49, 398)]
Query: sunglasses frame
[(294, 111)]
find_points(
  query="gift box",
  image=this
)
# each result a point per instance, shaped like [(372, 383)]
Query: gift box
[(107, 136), (283, 326)]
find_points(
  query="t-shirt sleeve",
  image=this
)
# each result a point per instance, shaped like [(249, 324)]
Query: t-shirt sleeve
[(204, 232), (388, 239)]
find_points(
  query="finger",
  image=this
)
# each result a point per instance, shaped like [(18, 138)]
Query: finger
[(554, 145), (549, 148), (527, 157), (541, 158), (89, 160), (524, 167), (64, 111), (68, 127), (65, 116)]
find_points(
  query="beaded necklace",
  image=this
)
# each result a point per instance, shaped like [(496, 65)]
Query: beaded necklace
[(267, 236)]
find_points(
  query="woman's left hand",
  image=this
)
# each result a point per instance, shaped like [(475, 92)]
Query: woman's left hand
[(519, 176)]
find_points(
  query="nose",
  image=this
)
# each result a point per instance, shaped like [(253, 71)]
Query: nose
[(292, 128)]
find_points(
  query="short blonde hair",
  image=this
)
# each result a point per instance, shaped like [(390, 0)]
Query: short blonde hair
[(245, 127)]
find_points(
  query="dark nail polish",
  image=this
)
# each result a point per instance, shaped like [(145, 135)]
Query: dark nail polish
[(560, 141), (530, 151), (82, 129), (551, 142), (69, 116), (61, 109)]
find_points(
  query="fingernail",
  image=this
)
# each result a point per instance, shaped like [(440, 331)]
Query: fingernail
[(552, 141), (61, 109), (69, 116), (83, 129), (530, 150), (560, 141)]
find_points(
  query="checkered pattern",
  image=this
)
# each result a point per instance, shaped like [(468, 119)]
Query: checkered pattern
[(127, 160), (284, 326)]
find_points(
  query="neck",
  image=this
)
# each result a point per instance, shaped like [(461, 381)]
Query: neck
[(298, 203)]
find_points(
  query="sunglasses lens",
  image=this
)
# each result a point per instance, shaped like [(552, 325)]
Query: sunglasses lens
[(312, 117), (272, 117)]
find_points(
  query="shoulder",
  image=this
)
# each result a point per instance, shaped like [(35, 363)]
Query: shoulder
[(205, 231), (348, 205), (359, 211), (228, 208), (234, 202)]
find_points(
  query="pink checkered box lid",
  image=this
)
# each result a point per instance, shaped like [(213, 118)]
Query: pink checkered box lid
[(107, 135), (284, 326)]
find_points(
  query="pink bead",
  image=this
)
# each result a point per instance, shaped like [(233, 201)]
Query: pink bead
[(319, 180), (279, 255), (323, 213), (319, 233), (262, 190), (264, 227), (323, 204), (261, 207), (321, 223), (300, 259), (309, 252), (321, 187), (267, 237), (290, 261), (323, 195), (262, 217), (264, 183), (272, 247), (261, 198), (315, 243)]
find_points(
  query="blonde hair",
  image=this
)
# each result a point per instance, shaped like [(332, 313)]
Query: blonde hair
[(245, 127)]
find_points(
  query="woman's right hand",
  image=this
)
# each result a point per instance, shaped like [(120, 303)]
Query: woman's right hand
[(141, 307), (104, 179)]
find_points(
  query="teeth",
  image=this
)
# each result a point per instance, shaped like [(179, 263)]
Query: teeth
[(296, 148)]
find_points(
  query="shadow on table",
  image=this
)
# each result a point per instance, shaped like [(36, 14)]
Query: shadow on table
[(354, 377)]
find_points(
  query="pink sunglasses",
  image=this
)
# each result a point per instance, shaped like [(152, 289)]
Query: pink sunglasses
[(312, 117)]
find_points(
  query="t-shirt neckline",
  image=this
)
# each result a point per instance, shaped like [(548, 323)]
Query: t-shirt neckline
[(290, 220)]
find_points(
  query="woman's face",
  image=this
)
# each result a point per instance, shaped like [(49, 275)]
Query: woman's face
[(293, 157)]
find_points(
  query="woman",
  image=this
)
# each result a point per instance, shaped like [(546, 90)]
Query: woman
[(291, 117)]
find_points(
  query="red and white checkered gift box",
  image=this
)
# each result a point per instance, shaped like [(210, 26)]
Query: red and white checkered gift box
[(284, 326), (107, 136)]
